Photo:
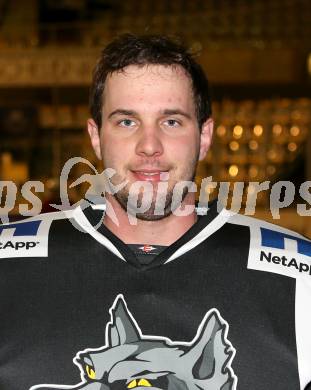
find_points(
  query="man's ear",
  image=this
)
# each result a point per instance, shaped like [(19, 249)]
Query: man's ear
[(95, 137), (206, 137)]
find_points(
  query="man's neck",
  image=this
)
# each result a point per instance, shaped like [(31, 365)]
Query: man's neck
[(161, 232)]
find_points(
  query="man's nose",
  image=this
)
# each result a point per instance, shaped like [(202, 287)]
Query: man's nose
[(149, 142)]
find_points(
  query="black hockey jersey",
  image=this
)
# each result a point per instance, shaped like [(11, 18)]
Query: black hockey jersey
[(227, 306)]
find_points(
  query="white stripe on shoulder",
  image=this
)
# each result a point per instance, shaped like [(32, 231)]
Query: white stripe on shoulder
[(276, 249), (27, 237), (303, 334), (87, 227)]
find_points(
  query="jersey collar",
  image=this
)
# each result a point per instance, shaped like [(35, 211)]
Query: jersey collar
[(200, 231)]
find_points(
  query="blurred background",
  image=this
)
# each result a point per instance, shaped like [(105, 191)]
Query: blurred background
[(257, 54)]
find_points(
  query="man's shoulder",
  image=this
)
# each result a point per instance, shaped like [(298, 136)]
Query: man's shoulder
[(262, 227), (29, 237), (274, 248)]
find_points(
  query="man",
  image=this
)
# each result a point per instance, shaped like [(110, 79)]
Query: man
[(157, 296)]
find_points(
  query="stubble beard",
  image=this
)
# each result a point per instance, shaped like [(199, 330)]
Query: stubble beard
[(152, 214)]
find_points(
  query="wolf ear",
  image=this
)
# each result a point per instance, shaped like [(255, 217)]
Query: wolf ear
[(211, 353), (121, 329)]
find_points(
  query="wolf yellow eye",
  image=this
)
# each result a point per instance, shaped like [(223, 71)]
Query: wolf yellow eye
[(90, 372), (141, 382), (132, 384), (144, 382)]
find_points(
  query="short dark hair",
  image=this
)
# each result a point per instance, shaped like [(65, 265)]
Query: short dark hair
[(143, 50)]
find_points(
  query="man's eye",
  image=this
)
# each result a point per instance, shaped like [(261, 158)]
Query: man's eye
[(126, 123), (172, 123)]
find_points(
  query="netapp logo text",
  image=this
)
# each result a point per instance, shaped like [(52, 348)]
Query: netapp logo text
[(17, 245), (286, 262)]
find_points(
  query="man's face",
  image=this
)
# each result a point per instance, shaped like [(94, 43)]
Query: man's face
[(150, 132)]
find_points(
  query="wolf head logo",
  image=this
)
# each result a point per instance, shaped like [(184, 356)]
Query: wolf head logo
[(131, 360)]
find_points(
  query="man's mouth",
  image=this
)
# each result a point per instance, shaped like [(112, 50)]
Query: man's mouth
[(148, 175)]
